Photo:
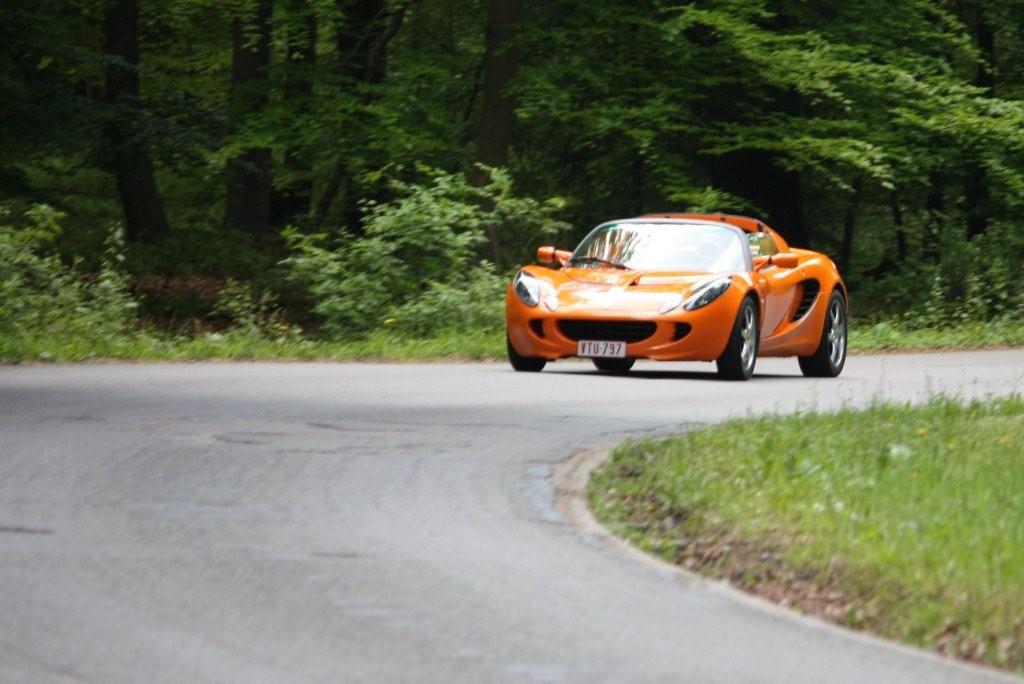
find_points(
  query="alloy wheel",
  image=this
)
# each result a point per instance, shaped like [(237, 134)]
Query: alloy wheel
[(748, 331)]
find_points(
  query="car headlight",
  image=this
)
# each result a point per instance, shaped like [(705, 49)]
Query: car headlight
[(527, 288), (708, 292)]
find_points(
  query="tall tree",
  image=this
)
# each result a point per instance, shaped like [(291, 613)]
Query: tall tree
[(362, 34), (976, 192), (850, 226), (143, 209), (296, 191), (501, 64), (247, 204)]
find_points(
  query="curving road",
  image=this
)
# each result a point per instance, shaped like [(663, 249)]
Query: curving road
[(293, 522)]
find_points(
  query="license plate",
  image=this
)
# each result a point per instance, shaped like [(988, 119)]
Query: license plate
[(601, 349)]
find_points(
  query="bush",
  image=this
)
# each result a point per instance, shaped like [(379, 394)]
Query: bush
[(417, 263), (475, 303), (972, 283), (45, 301), (251, 313)]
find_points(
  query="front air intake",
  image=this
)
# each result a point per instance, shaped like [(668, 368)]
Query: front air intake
[(614, 331)]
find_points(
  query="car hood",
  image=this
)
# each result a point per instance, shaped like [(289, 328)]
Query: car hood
[(618, 291)]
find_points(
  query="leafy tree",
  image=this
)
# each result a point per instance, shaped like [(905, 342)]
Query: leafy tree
[(247, 206), (143, 208)]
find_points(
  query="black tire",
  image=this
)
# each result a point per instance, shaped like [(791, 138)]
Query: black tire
[(828, 359), (614, 365), (528, 364), (740, 355)]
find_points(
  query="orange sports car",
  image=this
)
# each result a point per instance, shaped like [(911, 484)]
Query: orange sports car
[(679, 287)]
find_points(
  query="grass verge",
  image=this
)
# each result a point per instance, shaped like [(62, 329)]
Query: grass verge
[(907, 522), (385, 345), (246, 346), (895, 336)]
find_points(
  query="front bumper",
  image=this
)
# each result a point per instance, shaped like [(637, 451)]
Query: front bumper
[(535, 331)]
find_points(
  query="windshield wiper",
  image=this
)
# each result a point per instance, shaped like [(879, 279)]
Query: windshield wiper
[(599, 260)]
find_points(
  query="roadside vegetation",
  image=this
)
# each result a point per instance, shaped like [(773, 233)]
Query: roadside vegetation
[(898, 335), (907, 522), (391, 293)]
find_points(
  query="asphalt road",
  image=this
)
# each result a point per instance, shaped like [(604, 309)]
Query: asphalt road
[(359, 522)]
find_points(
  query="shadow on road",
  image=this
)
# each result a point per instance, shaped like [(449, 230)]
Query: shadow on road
[(668, 375)]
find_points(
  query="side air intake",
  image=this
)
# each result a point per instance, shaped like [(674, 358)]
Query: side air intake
[(809, 290)]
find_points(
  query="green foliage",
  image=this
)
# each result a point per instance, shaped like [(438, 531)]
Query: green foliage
[(44, 300), (416, 264), (973, 282), (253, 314), (474, 303), (911, 517)]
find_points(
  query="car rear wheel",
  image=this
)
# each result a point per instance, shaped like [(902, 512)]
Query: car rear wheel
[(614, 365), (529, 364), (740, 355), (829, 358)]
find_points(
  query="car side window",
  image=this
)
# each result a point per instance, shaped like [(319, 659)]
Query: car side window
[(761, 244)]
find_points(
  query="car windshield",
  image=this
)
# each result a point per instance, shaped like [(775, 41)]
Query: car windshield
[(663, 247)]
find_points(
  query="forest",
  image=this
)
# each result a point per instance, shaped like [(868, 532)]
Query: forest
[(360, 177)]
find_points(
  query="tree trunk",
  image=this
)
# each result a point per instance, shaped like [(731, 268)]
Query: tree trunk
[(901, 234), (356, 34), (976, 194), (501, 59), (501, 64), (890, 263), (931, 246), (247, 205), (144, 217), (976, 201), (300, 49), (849, 226), (361, 40), (294, 198)]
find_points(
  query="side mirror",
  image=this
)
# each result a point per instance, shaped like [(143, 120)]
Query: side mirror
[(553, 257), (782, 260), (785, 260)]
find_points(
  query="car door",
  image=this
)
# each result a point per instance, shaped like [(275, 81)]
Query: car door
[(778, 285)]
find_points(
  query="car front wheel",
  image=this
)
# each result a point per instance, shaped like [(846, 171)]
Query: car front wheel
[(529, 364), (740, 355)]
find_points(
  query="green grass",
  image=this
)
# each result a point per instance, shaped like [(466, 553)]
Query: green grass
[(892, 335), (908, 522), (386, 345), (243, 346)]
